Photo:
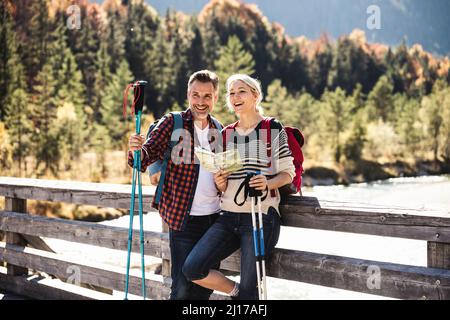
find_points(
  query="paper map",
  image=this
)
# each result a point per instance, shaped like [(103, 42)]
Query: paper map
[(229, 161)]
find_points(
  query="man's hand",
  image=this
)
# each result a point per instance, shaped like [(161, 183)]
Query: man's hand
[(136, 141)]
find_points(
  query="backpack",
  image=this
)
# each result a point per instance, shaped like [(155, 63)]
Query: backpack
[(160, 166), (296, 140)]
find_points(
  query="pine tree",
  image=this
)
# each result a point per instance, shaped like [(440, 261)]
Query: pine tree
[(431, 113), (335, 115), (233, 59), (45, 137), (84, 44), (281, 105), (319, 68), (5, 150), (34, 50), (111, 108), (13, 97), (162, 78), (380, 99), (115, 39), (59, 86)]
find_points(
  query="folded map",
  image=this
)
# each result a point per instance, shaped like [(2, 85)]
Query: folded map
[(229, 161)]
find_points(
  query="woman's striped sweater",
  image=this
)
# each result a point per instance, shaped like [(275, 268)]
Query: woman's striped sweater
[(253, 151)]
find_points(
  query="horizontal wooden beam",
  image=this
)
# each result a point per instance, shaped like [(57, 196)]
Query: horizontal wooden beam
[(100, 275), (97, 194), (36, 287), (155, 243), (302, 212), (372, 277)]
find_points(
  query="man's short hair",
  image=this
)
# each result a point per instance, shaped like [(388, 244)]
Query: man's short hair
[(204, 76)]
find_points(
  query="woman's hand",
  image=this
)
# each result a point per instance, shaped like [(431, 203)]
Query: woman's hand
[(136, 141), (258, 182), (221, 180)]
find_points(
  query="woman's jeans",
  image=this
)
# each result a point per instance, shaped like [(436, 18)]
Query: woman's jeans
[(181, 244), (230, 232)]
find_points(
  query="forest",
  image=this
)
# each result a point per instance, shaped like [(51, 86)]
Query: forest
[(368, 111)]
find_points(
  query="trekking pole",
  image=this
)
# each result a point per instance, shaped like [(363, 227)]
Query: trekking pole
[(258, 240), (136, 109), (261, 248)]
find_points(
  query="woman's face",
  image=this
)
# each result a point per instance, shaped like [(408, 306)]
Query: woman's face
[(242, 98)]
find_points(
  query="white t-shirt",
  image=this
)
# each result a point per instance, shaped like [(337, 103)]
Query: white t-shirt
[(206, 200)]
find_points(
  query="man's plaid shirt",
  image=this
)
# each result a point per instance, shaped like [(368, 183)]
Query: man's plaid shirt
[(181, 178)]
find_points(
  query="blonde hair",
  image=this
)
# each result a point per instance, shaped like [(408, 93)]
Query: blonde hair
[(254, 85)]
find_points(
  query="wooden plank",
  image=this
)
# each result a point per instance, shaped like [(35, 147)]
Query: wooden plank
[(232, 263), (438, 255), (394, 280), (373, 277), (20, 206), (156, 243), (303, 212), (97, 194), (308, 213), (37, 287), (100, 275)]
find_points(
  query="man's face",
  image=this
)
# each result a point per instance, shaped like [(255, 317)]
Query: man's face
[(202, 98)]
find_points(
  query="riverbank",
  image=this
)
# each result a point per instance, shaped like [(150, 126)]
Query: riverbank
[(369, 171)]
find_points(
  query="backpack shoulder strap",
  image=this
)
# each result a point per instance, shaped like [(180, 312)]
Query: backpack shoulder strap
[(226, 132), (175, 137), (266, 126), (217, 123), (177, 125)]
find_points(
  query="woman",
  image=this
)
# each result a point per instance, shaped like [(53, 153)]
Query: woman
[(233, 229)]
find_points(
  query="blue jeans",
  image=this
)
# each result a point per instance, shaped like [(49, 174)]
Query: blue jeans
[(181, 244), (230, 232)]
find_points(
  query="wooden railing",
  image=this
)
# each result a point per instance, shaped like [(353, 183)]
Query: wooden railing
[(395, 280)]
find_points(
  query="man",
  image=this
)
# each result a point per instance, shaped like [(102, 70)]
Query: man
[(190, 202)]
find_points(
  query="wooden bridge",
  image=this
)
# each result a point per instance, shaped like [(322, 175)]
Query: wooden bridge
[(24, 251)]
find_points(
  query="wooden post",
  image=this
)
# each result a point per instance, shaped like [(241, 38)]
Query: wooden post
[(15, 205), (166, 266), (438, 255)]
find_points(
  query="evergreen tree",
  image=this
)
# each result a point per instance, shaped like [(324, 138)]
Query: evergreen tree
[(14, 100), (281, 105), (59, 85), (45, 137), (349, 67), (5, 150), (319, 68), (335, 115), (34, 50), (162, 78), (84, 44), (111, 108), (233, 59), (431, 113), (380, 99), (409, 128), (115, 39)]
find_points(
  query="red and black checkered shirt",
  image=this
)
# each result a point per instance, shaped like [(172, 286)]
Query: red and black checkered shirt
[(181, 178)]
